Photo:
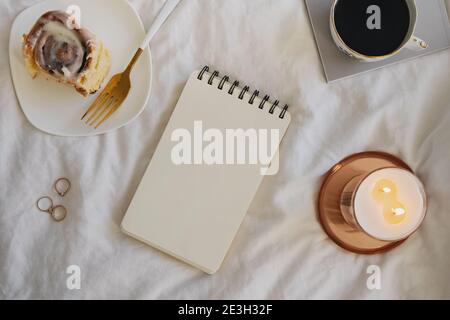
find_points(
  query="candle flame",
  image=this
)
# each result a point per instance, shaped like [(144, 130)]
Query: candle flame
[(399, 211), (385, 193)]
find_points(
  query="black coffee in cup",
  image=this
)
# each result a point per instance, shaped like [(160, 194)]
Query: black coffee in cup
[(372, 27)]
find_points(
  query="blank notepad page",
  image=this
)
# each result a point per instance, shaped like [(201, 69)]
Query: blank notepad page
[(193, 211)]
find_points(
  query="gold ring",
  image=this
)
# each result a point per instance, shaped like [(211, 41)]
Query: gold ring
[(58, 217), (49, 208), (58, 184)]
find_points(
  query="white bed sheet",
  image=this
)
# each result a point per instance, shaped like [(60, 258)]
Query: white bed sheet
[(281, 250)]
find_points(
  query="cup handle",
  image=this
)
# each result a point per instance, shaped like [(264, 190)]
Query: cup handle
[(416, 44)]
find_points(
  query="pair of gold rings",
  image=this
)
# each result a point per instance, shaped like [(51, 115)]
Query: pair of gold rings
[(45, 204)]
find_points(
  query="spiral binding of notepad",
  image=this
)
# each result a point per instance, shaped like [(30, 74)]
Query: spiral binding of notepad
[(235, 86)]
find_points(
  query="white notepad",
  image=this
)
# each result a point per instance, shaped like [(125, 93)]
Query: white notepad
[(193, 212)]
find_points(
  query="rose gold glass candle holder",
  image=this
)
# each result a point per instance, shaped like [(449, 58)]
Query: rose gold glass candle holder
[(336, 201)]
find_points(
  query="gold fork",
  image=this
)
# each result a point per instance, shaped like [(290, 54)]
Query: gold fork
[(117, 89)]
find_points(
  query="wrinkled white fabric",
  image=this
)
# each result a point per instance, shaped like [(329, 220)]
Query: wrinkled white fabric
[(280, 250)]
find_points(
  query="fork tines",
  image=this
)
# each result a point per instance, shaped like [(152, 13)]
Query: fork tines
[(101, 109)]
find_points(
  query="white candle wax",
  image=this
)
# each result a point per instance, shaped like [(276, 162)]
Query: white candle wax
[(390, 204)]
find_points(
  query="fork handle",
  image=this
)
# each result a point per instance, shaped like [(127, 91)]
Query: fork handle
[(163, 14)]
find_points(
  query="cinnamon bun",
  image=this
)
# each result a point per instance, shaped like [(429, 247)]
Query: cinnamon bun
[(60, 49)]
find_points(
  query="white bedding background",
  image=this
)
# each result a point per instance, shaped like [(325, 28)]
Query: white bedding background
[(280, 250)]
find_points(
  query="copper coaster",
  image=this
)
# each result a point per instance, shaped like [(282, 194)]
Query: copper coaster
[(330, 215)]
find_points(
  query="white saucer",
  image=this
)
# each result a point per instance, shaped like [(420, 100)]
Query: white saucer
[(56, 108)]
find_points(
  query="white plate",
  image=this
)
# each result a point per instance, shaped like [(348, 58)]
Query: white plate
[(56, 108)]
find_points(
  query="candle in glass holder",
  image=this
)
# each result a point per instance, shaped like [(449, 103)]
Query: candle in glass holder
[(388, 204)]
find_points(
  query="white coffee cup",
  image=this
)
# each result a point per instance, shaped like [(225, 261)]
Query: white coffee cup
[(410, 42)]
